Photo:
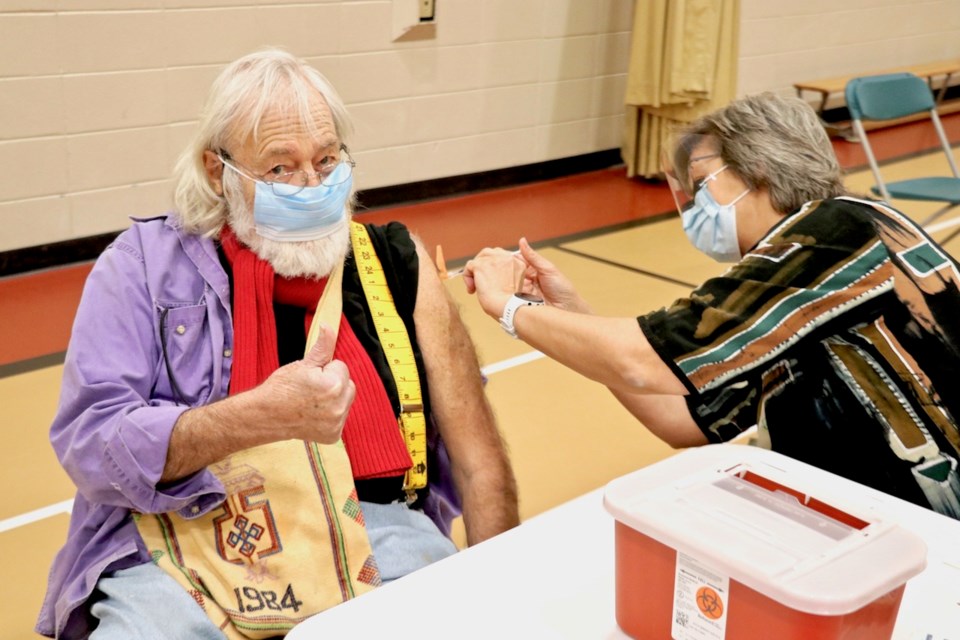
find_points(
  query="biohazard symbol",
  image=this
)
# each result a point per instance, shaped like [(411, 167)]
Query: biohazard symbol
[(709, 603)]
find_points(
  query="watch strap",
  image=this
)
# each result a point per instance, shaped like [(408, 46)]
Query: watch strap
[(510, 310)]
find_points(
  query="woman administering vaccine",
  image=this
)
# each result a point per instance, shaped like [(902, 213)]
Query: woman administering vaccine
[(834, 330)]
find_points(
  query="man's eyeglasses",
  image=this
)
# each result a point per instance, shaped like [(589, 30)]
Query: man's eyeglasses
[(330, 171)]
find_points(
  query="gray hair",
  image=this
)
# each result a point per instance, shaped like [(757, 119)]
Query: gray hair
[(240, 96), (771, 142)]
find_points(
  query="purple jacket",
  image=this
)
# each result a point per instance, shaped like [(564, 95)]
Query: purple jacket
[(153, 285), (116, 408)]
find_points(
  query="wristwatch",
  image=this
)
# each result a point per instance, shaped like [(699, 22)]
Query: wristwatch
[(516, 301)]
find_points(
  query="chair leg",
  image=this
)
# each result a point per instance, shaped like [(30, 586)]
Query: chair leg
[(849, 134), (937, 214), (953, 234)]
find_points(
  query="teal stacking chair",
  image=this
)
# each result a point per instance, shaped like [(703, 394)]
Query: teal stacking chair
[(897, 95)]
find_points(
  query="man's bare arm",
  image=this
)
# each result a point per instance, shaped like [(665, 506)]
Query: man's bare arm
[(481, 466)]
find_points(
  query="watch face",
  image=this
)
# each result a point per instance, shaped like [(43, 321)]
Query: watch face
[(528, 297)]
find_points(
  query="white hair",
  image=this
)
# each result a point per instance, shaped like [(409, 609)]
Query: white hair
[(244, 91)]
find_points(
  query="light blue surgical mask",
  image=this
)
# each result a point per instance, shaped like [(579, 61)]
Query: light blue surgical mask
[(712, 227), (289, 213)]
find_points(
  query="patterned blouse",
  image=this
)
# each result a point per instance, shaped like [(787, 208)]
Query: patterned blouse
[(838, 335)]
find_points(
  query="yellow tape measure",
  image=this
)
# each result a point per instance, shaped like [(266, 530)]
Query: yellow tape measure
[(396, 346)]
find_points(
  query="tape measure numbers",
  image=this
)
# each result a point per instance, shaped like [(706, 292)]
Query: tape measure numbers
[(399, 353)]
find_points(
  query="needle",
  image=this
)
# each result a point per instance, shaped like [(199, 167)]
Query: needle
[(459, 272)]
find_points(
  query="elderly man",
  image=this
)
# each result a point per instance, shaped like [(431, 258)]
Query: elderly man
[(267, 408)]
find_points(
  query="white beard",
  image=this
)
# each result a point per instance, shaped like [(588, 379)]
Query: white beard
[(309, 258)]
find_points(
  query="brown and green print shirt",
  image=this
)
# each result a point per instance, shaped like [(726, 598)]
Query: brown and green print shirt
[(838, 335)]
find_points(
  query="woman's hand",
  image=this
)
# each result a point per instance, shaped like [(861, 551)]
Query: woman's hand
[(494, 275), (543, 278)]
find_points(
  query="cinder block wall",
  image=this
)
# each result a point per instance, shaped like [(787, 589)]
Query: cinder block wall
[(785, 41), (97, 97)]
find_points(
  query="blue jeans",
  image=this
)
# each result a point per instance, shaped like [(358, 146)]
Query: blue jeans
[(403, 540), (145, 603)]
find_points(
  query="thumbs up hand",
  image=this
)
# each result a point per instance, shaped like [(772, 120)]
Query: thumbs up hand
[(309, 399), (321, 353)]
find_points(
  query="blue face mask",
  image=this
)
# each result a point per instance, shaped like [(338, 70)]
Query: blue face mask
[(712, 227), (309, 214)]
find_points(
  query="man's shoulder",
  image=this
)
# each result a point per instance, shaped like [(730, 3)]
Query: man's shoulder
[(391, 231), (158, 236), (394, 238), (143, 228), (145, 219)]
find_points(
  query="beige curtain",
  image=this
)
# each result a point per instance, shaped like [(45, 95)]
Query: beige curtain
[(683, 64)]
